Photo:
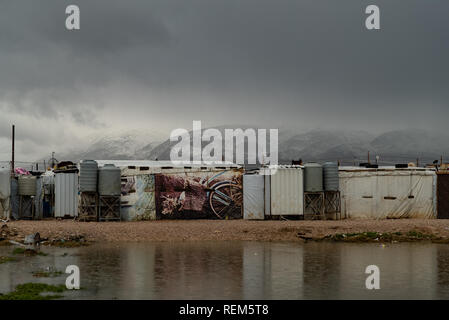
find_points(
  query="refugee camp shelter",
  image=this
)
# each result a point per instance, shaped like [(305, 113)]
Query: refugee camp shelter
[(273, 191), (387, 192), (66, 194), (165, 190)]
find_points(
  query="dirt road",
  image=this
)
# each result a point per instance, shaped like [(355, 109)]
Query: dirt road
[(187, 230)]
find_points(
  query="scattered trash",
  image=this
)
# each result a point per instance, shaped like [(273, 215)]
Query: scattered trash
[(7, 233), (302, 236), (33, 239)]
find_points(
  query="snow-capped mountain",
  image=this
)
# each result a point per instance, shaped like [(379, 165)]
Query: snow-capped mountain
[(345, 146), (127, 145)]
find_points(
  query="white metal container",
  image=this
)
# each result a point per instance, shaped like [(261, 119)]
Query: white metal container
[(287, 191), (66, 195), (253, 197), (388, 193)]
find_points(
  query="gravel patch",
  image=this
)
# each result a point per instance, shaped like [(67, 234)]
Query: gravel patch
[(194, 230)]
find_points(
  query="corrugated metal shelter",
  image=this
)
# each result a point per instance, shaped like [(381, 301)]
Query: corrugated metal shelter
[(66, 195), (38, 204), (286, 185), (388, 193), (253, 197), (14, 200)]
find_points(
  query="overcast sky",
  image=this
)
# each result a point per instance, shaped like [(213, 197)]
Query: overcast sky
[(161, 64)]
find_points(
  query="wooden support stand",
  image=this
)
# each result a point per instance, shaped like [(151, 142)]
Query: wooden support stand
[(109, 208), (314, 207), (26, 207), (88, 206), (332, 203)]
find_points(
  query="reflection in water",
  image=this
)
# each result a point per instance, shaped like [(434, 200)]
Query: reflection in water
[(241, 270)]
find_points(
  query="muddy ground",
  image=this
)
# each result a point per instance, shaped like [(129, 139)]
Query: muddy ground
[(187, 230)]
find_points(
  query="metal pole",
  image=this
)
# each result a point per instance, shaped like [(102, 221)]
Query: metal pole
[(12, 153)]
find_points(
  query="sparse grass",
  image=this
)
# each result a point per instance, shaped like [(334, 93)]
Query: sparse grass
[(28, 252), (415, 234), (46, 274), (370, 236), (32, 291), (69, 244), (6, 259), (4, 243)]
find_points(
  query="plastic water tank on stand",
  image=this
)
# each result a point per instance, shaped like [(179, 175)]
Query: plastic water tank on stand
[(330, 175), (313, 177), (109, 180), (88, 176), (27, 185)]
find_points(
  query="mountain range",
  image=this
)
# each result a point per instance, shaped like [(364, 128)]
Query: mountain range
[(348, 147)]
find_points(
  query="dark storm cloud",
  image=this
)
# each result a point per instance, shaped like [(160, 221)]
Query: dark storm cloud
[(283, 62)]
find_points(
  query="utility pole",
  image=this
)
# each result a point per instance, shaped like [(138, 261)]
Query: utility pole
[(368, 157), (12, 151)]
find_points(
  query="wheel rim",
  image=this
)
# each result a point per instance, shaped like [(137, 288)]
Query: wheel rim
[(226, 198)]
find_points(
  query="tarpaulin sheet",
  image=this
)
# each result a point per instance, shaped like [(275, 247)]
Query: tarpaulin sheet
[(14, 200), (138, 198), (5, 183), (388, 194)]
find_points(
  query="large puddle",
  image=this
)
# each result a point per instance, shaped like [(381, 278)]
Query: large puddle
[(240, 270)]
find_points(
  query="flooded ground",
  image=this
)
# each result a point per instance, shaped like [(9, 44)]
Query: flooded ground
[(239, 270)]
